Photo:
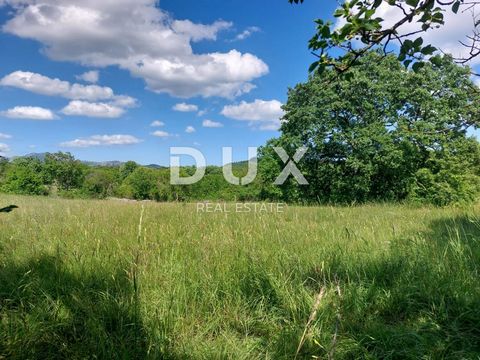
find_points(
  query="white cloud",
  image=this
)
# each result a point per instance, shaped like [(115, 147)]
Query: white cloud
[(89, 76), (190, 130), (98, 110), (4, 148), (202, 112), (5, 136), (263, 114), (198, 32), (124, 101), (211, 124), (83, 96), (138, 36), (29, 112), (102, 140), (157, 123), (161, 134), (44, 85), (183, 107), (259, 110), (245, 34)]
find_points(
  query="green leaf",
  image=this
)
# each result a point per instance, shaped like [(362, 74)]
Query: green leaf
[(417, 43), (456, 6), (314, 66), (369, 13), (429, 50), (412, 3)]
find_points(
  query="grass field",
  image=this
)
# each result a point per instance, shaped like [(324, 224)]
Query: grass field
[(88, 279)]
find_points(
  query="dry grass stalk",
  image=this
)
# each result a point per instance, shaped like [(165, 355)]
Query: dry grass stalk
[(311, 319)]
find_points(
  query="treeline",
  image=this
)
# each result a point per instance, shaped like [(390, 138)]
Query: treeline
[(61, 174), (384, 133)]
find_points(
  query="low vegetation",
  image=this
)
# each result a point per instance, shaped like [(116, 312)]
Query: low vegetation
[(60, 174), (116, 279)]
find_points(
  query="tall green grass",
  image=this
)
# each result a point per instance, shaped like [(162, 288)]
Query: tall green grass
[(88, 279)]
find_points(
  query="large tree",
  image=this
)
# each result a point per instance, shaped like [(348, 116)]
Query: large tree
[(386, 134)]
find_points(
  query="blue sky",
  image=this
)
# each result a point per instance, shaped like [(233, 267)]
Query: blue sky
[(274, 32), (90, 77)]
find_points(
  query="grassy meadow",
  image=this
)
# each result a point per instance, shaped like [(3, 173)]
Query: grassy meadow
[(105, 279)]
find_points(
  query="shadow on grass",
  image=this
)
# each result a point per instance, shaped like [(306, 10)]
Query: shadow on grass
[(422, 300), (8, 209), (48, 312)]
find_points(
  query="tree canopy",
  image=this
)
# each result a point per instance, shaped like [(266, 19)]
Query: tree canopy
[(386, 134)]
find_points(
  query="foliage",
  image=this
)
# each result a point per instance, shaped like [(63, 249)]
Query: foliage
[(101, 182), (387, 134), (63, 170), (127, 168), (362, 28), (62, 175), (140, 184), (24, 176)]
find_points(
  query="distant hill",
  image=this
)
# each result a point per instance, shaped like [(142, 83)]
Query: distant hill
[(113, 163)]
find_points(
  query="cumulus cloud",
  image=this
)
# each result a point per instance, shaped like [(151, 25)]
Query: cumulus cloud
[(4, 148), (263, 114), (157, 123), (89, 76), (5, 136), (138, 36), (102, 140), (44, 85), (245, 34), (29, 112), (161, 134), (211, 124), (83, 96), (190, 130), (98, 110), (183, 107)]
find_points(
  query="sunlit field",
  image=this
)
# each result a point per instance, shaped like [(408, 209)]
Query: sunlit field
[(106, 279)]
